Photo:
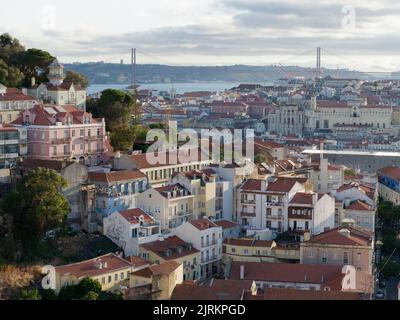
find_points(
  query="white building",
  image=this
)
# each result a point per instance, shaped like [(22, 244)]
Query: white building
[(311, 212), (172, 205), (57, 91), (264, 204), (128, 229), (206, 237)]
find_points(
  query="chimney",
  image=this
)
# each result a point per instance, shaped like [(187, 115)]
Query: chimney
[(33, 81), (347, 202), (105, 265), (242, 272), (307, 236)]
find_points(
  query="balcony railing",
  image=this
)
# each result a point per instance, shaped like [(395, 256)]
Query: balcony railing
[(210, 259), (209, 243), (61, 140), (248, 214), (275, 216), (94, 138), (244, 201), (275, 204)]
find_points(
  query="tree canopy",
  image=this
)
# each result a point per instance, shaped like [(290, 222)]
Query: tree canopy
[(115, 106), (18, 65), (76, 78), (36, 205)]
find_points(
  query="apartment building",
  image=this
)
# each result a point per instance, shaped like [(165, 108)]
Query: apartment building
[(206, 237), (311, 212), (13, 145), (173, 249), (264, 204), (213, 197), (131, 228), (63, 133), (389, 184), (117, 190), (167, 164), (156, 282), (340, 246), (110, 270), (172, 205), (12, 102)]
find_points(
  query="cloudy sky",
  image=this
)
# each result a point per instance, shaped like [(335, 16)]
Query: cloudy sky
[(363, 35)]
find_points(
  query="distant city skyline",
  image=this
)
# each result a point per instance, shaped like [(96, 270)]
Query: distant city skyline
[(353, 34)]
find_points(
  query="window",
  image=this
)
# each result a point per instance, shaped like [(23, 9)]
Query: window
[(103, 280), (233, 250), (116, 277), (311, 254), (122, 276), (345, 258), (109, 279), (82, 132), (359, 256), (324, 257)]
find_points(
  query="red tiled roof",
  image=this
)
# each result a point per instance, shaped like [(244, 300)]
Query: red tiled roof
[(335, 237), (252, 184), (115, 176), (359, 205), (137, 262), (332, 104), (13, 94), (88, 268), (133, 215), (49, 164), (302, 198), (226, 224), (287, 272), (393, 172), (176, 247), (296, 294), (203, 224), (165, 268), (217, 290)]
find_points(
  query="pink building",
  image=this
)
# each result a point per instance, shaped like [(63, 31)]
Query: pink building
[(64, 133)]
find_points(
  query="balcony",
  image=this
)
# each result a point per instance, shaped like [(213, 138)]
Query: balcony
[(209, 243), (61, 140), (244, 201), (248, 214), (275, 204), (275, 216), (211, 259), (94, 138)]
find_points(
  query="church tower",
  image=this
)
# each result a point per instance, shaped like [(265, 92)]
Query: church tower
[(56, 73)]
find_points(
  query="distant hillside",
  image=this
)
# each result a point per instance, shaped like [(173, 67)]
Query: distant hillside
[(107, 73)]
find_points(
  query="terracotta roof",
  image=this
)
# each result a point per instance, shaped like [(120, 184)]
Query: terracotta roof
[(203, 224), (90, 268), (49, 164), (359, 206), (170, 248), (115, 176), (217, 290), (141, 160), (165, 268), (335, 237), (393, 172), (252, 184), (302, 198), (13, 94), (287, 272), (296, 294), (226, 224), (137, 262), (133, 215), (165, 190)]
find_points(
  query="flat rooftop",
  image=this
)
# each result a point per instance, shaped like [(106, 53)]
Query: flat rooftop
[(354, 153)]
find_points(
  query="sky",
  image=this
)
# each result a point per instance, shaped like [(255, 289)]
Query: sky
[(362, 35)]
